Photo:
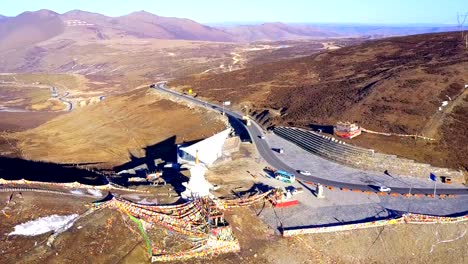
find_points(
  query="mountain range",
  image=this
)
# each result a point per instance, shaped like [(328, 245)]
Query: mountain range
[(33, 27)]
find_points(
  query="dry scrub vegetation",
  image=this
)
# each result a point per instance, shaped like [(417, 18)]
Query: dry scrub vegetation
[(390, 85), (115, 129)]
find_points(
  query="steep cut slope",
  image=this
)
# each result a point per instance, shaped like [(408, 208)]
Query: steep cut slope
[(29, 28), (391, 85)]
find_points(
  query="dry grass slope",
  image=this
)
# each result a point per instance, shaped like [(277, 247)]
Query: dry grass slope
[(115, 129), (389, 85)]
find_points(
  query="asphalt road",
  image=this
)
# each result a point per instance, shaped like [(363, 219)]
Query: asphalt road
[(64, 100), (267, 154)]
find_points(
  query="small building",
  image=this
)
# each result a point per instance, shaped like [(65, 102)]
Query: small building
[(346, 130)]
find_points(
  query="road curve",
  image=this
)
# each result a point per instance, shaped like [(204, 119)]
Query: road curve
[(64, 100), (267, 154)]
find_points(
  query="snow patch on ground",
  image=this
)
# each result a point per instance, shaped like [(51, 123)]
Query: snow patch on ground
[(133, 196), (78, 192), (43, 225), (149, 202), (96, 193)]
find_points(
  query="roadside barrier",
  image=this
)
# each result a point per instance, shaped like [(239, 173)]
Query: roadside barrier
[(417, 195), (424, 219), (409, 218)]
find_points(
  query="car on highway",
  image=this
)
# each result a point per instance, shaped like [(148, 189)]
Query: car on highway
[(262, 136), (279, 150), (304, 172), (384, 189)]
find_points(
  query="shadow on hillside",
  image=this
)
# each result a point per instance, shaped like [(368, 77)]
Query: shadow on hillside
[(175, 178), (239, 129), (323, 128), (255, 188), (165, 150), (17, 169)]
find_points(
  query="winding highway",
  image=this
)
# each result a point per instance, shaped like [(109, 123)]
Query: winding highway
[(63, 99), (267, 154)]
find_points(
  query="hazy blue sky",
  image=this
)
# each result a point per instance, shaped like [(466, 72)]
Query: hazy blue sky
[(206, 11)]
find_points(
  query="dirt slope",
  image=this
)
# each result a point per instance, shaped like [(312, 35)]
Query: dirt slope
[(391, 85), (108, 236), (116, 130)]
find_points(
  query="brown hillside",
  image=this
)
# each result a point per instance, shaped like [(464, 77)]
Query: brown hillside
[(29, 28), (116, 129), (275, 31), (391, 85), (33, 27), (144, 23)]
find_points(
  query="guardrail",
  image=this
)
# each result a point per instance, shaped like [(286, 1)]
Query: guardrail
[(408, 218), (358, 157)]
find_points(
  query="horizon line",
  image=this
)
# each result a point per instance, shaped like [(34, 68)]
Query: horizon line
[(246, 22)]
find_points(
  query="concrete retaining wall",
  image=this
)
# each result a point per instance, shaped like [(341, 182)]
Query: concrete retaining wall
[(338, 151)]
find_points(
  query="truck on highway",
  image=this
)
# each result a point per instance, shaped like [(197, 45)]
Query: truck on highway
[(284, 176), (246, 120)]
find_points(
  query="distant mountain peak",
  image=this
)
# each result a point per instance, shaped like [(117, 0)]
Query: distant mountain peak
[(77, 11), (278, 24), (142, 13), (42, 12)]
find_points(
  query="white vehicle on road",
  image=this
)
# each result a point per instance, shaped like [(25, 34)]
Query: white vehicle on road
[(384, 189), (304, 172)]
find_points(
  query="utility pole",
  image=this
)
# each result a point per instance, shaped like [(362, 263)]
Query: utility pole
[(461, 18)]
